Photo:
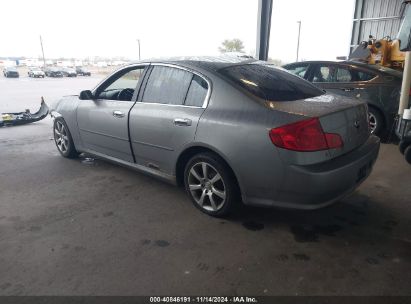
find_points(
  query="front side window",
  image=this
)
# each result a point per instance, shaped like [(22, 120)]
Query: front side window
[(122, 88), (167, 85), (270, 83)]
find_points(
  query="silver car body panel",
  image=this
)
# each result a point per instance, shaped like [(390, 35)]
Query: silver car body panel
[(236, 127)]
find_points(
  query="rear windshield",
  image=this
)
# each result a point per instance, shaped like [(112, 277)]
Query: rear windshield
[(270, 83)]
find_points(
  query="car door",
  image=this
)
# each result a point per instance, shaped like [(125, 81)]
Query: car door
[(164, 119), (103, 121)]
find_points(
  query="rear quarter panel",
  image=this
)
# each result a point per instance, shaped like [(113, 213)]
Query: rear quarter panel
[(237, 127)]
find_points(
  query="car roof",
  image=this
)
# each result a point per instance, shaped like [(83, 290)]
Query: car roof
[(211, 63)]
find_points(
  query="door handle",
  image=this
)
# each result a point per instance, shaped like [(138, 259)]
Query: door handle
[(118, 114), (182, 122)]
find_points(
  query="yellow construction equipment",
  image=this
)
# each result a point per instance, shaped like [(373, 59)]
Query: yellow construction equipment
[(385, 52)]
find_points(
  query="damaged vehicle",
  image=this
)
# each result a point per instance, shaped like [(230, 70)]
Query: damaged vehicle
[(229, 131), (22, 118)]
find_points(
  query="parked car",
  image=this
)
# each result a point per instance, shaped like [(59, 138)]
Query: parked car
[(53, 72), (82, 71), (227, 131), (69, 72), (378, 86), (10, 72), (35, 72)]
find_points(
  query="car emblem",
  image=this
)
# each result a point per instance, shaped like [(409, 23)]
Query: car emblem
[(356, 124)]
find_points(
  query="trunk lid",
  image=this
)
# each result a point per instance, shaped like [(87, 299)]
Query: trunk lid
[(337, 114)]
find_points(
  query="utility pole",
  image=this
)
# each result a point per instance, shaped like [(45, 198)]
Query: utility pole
[(139, 57), (265, 8), (42, 50), (298, 41)]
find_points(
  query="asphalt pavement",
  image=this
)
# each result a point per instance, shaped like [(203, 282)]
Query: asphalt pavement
[(87, 227)]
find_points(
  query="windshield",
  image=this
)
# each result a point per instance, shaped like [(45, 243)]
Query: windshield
[(270, 83)]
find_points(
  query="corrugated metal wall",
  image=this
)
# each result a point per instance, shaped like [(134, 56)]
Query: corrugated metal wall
[(379, 18)]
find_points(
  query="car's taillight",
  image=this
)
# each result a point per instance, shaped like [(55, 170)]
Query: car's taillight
[(305, 136)]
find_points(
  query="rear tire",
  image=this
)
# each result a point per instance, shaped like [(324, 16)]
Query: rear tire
[(210, 184), (63, 140), (407, 154), (403, 145), (376, 121)]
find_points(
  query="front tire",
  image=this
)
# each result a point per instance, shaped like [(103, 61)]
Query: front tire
[(210, 184), (62, 138)]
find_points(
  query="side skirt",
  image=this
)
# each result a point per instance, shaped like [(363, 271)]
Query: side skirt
[(171, 179)]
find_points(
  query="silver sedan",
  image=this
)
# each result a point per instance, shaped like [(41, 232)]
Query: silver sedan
[(229, 132)]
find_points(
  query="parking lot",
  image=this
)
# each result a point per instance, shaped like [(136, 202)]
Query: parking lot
[(87, 227)]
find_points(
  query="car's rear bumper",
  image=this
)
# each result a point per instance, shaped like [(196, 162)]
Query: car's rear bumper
[(316, 186)]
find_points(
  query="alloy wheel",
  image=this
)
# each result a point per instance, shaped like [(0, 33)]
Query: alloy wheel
[(207, 186), (372, 120), (61, 137)]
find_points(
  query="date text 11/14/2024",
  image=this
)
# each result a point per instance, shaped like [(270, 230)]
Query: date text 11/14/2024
[(236, 299)]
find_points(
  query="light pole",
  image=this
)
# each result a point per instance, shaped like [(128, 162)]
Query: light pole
[(139, 57), (298, 41), (42, 50)]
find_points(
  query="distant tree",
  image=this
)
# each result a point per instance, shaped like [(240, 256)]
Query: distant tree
[(233, 45), (276, 62)]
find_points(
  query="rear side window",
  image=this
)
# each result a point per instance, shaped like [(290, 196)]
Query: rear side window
[(167, 85), (298, 70), (197, 92), (270, 83), (331, 73), (362, 76), (343, 75)]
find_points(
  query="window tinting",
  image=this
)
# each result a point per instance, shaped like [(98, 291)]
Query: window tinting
[(167, 85), (364, 76), (270, 83), (332, 73), (322, 74), (298, 70), (197, 92), (343, 75)]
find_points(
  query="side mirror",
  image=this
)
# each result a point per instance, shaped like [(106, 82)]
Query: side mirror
[(86, 95)]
